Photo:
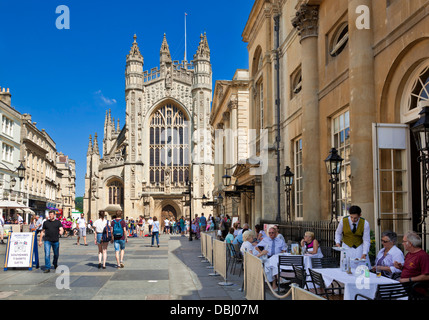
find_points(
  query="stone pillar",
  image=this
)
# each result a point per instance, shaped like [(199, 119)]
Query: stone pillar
[(362, 111), (306, 23)]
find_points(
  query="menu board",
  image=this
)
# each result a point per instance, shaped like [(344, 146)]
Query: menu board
[(19, 252)]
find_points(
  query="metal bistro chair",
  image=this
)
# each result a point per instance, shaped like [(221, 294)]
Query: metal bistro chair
[(389, 292), (288, 261), (236, 257), (321, 290), (322, 263), (301, 277)]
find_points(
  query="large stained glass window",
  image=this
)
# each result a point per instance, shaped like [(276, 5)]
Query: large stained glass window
[(169, 145)]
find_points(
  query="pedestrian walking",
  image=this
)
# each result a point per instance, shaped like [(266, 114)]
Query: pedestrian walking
[(142, 227), (1, 229), (155, 231), (196, 227), (150, 223), (82, 229), (100, 228), (51, 231), (182, 226), (119, 231)]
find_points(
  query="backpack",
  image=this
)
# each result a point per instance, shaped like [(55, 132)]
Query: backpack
[(107, 233), (118, 231)]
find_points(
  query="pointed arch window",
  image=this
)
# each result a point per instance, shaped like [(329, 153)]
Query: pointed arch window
[(169, 144), (115, 192)]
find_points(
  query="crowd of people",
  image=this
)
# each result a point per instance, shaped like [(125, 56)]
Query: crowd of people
[(353, 234)]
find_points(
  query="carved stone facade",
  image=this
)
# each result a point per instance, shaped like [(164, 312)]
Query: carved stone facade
[(144, 165), (353, 75)]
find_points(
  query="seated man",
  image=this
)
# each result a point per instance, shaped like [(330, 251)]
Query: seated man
[(416, 265), (239, 238), (271, 245)]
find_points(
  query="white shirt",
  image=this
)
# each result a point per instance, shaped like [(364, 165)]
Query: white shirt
[(150, 222), (81, 222), (99, 225), (366, 236), (394, 254), (155, 227), (167, 222), (267, 243), (248, 247)]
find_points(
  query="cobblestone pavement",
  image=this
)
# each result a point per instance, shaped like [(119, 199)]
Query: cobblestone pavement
[(173, 271)]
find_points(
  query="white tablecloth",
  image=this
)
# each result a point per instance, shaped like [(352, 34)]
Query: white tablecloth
[(271, 265), (354, 283)]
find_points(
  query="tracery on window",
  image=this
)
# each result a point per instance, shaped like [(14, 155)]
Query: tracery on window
[(169, 145), (116, 192)]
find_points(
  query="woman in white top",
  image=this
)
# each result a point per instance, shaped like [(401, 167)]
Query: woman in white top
[(247, 245), (388, 255), (102, 246)]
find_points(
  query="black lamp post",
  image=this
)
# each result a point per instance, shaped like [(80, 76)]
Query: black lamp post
[(333, 166), (189, 192), (421, 134), (288, 182), (220, 201)]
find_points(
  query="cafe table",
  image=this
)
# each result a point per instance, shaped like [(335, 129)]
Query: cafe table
[(271, 264), (354, 283)]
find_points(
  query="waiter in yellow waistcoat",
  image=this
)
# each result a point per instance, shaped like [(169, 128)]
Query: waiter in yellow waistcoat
[(354, 232)]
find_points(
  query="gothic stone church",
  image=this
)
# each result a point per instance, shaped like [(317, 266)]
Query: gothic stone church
[(144, 166)]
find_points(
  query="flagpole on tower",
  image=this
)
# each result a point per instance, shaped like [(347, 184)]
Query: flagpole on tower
[(185, 38)]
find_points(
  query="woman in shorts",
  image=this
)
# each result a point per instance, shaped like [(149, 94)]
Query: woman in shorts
[(98, 234)]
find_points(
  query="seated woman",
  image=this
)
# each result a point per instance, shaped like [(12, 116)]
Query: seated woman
[(388, 255), (311, 245), (230, 238), (248, 245), (260, 233)]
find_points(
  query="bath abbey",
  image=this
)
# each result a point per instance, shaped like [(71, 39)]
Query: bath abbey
[(146, 166)]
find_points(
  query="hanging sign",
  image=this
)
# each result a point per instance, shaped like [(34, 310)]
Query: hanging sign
[(20, 249)]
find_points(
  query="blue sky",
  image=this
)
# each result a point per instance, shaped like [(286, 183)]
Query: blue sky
[(67, 79)]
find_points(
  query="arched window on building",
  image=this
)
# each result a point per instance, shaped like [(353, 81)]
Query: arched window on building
[(339, 40), (115, 192), (169, 145)]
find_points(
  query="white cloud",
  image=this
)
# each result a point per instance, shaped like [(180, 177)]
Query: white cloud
[(104, 99)]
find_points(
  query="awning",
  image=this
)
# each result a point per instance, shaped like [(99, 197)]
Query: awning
[(6, 204), (27, 210)]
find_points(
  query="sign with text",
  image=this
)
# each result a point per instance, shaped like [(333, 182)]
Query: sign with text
[(19, 252)]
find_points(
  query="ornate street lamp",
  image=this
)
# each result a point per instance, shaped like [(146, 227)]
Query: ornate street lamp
[(21, 171), (288, 182), (226, 179), (333, 166), (421, 135)]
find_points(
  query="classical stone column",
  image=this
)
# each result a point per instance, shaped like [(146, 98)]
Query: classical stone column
[(362, 110), (306, 23)]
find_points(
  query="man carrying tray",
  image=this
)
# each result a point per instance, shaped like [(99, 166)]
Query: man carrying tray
[(354, 232)]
